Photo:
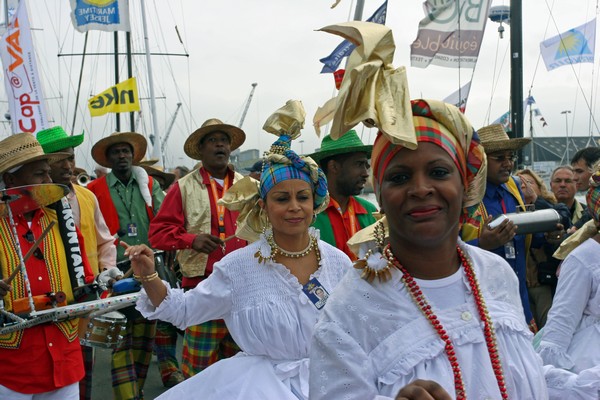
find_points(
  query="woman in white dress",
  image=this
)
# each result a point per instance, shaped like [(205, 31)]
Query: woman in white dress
[(265, 292), (423, 315), (571, 337)]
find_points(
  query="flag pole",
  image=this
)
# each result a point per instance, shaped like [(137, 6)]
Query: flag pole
[(156, 153), (516, 64)]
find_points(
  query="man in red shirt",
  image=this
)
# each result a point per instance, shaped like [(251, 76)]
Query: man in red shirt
[(346, 164), (42, 359), (191, 222)]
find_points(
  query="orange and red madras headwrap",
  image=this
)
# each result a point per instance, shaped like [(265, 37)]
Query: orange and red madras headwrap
[(593, 195), (444, 125)]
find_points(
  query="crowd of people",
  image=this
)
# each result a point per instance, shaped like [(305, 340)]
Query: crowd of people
[(286, 284)]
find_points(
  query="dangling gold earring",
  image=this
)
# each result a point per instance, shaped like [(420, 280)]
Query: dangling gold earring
[(314, 218), (379, 233), (369, 274)]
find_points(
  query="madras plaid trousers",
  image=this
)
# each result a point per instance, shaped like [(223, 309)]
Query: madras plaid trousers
[(204, 345), (130, 361)]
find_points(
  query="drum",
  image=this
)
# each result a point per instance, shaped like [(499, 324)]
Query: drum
[(104, 331)]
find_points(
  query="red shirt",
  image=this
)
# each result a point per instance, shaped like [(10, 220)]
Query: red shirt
[(167, 230), (346, 224), (45, 360)]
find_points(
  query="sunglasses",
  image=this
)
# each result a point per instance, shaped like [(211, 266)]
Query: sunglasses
[(31, 239)]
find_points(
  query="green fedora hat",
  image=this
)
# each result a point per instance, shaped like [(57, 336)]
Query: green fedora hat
[(348, 143), (56, 139)]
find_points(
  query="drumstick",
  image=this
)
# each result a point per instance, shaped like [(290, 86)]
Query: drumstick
[(228, 238), (32, 250)]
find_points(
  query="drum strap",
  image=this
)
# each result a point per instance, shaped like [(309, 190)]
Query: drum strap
[(68, 234)]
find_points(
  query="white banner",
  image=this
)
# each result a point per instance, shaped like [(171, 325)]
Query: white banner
[(574, 46), (21, 77), (450, 35), (459, 98), (104, 15)]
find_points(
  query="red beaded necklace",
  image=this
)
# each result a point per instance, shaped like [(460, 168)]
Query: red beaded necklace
[(490, 336)]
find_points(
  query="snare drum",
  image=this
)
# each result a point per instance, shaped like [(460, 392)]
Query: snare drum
[(104, 331)]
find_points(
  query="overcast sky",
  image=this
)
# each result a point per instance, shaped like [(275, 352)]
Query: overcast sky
[(233, 43)]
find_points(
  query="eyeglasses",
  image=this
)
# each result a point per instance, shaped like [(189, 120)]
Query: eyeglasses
[(512, 158), (31, 239)]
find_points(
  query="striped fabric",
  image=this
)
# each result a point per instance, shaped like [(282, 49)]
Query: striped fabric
[(204, 345), (165, 346), (129, 366), (85, 385), (463, 147), (593, 195)]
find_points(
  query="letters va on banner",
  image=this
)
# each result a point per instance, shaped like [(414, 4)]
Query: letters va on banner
[(21, 77), (106, 15), (450, 35), (123, 97)]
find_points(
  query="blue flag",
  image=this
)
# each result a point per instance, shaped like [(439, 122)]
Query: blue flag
[(332, 61)]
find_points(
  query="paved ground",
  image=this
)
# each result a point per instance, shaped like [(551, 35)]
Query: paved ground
[(102, 389)]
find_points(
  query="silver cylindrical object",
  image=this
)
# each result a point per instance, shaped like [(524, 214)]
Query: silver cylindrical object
[(535, 221)]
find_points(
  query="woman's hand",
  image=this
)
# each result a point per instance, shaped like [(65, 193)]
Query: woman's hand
[(423, 390), (141, 257)]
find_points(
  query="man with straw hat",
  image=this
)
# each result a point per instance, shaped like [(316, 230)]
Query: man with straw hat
[(502, 195), (128, 199), (192, 223), (43, 359), (345, 162), (99, 243)]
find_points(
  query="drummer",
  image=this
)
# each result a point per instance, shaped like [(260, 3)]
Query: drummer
[(46, 358), (99, 243)]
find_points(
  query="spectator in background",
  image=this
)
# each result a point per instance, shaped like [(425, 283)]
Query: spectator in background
[(582, 163), (255, 170), (564, 187), (541, 267), (180, 172)]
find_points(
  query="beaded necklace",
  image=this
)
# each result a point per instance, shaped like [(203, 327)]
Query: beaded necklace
[(490, 336), (276, 249)]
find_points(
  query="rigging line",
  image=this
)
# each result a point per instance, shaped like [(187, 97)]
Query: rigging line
[(489, 110), (573, 69), (539, 58), (79, 83), (168, 62)]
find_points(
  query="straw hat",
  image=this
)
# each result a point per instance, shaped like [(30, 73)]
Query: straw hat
[(56, 139), (158, 172), (348, 143), (146, 162), (192, 144), (23, 148), (137, 141), (493, 139)]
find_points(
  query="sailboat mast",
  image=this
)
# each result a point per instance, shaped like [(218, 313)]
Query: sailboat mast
[(116, 42), (156, 151), (516, 64)]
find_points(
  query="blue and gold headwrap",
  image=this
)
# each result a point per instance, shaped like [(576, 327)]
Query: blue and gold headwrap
[(281, 163)]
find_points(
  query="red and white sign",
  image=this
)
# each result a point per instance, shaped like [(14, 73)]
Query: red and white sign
[(21, 77)]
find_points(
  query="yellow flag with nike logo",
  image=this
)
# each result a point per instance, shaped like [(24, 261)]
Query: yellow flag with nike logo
[(123, 97)]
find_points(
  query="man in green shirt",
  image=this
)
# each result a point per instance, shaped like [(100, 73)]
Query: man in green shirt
[(128, 199), (346, 164)]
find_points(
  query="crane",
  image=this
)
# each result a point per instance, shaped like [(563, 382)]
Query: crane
[(235, 154), (247, 105)]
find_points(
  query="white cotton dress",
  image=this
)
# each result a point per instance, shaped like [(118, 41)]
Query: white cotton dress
[(372, 340), (571, 337), (268, 316)]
